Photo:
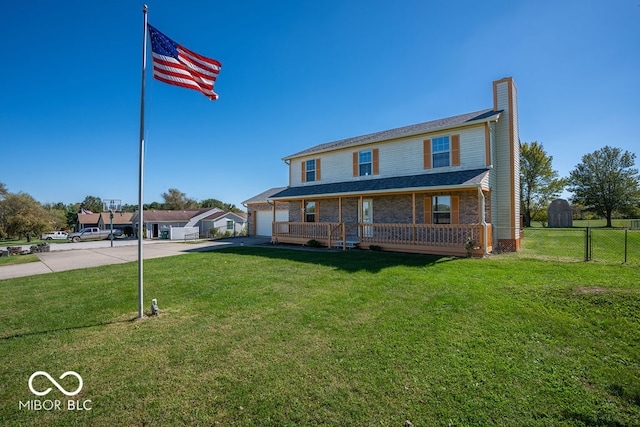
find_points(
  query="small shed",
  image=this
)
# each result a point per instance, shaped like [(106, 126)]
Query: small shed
[(560, 214)]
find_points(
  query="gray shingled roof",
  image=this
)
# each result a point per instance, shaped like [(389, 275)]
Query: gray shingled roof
[(119, 218), (417, 129), (262, 197), (392, 184), (169, 215), (220, 214)]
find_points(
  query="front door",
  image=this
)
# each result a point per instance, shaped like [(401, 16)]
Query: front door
[(366, 217)]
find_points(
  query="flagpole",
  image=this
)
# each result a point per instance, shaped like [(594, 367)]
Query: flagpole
[(141, 167)]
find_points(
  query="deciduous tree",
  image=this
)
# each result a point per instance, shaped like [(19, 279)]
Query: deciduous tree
[(92, 203), (215, 203), (539, 183), (58, 214), (175, 199), (606, 182), (21, 215)]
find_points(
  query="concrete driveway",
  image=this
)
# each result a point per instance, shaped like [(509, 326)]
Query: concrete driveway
[(71, 256)]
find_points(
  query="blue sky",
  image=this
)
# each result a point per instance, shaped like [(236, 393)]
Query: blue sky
[(296, 74)]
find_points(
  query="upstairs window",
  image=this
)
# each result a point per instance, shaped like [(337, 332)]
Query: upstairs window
[(440, 151), (310, 170), (365, 163)]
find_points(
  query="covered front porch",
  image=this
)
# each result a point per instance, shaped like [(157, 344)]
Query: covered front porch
[(441, 214), (437, 239)]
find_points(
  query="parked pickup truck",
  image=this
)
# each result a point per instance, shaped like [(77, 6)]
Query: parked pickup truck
[(93, 233), (54, 235)]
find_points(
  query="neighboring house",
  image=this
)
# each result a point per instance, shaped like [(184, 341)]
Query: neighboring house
[(438, 187), (87, 220), (232, 223), (157, 222), (120, 220), (261, 214)]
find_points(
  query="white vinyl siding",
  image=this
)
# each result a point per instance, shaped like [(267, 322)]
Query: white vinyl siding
[(396, 158), (502, 166), (493, 177)]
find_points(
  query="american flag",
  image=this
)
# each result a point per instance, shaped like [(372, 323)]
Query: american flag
[(176, 65)]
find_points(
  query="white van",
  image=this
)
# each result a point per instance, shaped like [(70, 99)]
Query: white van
[(54, 235)]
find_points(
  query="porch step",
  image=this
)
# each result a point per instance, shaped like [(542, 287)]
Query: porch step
[(350, 244)]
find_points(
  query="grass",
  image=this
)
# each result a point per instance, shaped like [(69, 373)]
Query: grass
[(34, 241), (18, 259), (594, 223), (262, 336), (568, 244)]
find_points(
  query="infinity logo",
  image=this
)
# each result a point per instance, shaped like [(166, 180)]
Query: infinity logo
[(55, 383)]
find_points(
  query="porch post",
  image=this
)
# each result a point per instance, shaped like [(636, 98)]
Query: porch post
[(273, 222), (481, 206), (343, 235), (360, 217), (483, 221), (413, 202)]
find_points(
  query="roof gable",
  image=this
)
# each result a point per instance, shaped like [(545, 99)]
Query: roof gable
[(226, 214)]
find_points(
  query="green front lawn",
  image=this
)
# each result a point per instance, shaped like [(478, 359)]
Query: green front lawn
[(263, 336), (18, 259), (34, 241)]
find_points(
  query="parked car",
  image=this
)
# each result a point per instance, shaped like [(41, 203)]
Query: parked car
[(93, 233), (55, 235)]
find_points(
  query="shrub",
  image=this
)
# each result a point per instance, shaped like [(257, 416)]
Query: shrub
[(469, 246)]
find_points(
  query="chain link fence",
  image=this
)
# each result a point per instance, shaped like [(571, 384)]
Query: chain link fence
[(609, 245)]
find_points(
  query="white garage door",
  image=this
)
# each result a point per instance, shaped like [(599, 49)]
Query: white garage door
[(264, 218)]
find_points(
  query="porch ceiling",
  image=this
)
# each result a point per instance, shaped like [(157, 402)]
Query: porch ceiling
[(396, 184)]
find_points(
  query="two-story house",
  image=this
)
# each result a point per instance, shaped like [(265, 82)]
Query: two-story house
[(440, 187)]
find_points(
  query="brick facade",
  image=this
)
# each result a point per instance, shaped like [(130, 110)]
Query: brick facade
[(391, 209)]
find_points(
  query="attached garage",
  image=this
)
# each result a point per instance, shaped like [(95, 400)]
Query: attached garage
[(261, 212), (264, 219)]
